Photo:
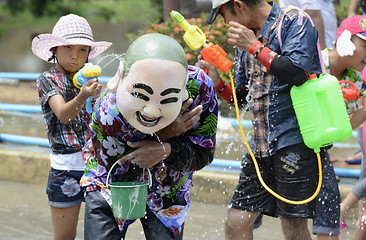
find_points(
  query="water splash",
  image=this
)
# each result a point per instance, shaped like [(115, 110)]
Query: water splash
[(114, 56), (118, 208), (161, 142), (2, 122), (133, 200)]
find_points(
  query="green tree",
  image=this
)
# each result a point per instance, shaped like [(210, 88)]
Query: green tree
[(158, 5), (15, 7)]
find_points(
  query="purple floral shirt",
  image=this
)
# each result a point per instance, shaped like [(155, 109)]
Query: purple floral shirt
[(169, 195)]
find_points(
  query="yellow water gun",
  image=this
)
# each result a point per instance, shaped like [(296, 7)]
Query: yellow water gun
[(195, 39), (86, 73)]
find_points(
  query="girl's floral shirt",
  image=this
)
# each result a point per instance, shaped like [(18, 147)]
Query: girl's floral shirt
[(350, 75), (168, 197)]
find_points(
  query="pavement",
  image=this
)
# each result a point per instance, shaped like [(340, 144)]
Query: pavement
[(25, 212)]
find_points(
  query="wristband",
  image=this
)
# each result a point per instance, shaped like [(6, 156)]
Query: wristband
[(256, 47), (266, 56), (77, 102), (221, 86), (227, 93), (224, 90)]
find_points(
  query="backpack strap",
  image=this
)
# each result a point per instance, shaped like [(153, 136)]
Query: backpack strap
[(302, 14)]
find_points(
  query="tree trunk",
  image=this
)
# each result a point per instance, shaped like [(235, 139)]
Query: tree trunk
[(169, 5)]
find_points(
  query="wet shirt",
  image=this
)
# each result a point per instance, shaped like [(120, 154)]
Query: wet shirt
[(63, 138), (272, 114), (258, 90), (350, 75), (169, 195)]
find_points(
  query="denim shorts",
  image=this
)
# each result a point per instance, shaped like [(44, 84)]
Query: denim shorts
[(63, 188), (292, 173), (328, 203)]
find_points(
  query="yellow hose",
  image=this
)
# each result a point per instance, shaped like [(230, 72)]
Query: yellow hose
[(256, 164)]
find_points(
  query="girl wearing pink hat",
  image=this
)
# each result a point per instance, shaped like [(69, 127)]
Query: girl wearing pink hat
[(69, 46), (346, 62)]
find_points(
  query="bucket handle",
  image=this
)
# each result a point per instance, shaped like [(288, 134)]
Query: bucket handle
[(143, 172)]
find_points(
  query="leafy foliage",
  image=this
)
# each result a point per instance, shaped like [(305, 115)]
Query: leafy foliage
[(158, 5), (40, 7), (102, 10), (24, 13), (216, 34)]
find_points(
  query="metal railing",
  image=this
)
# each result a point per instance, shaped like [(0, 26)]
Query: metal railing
[(220, 165)]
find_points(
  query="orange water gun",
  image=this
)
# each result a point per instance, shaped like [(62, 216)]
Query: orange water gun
[(195, 39), (351, 92)]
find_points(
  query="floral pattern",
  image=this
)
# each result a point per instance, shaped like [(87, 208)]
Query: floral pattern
[(168, 197)]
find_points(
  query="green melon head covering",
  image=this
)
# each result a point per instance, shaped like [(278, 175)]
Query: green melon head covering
[(155, 46)]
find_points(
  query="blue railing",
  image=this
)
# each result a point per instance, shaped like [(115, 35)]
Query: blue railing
[(34, 76), (221, 165)]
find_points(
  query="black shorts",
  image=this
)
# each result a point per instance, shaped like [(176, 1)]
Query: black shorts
[(292, 173)]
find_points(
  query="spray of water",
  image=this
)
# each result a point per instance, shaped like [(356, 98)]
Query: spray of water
[(114, 57), (157, 137), (133, 200)]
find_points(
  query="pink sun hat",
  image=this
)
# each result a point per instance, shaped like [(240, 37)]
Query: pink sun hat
[(69, 30)]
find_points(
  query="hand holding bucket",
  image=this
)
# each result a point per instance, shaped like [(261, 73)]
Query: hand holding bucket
[(128, 198)]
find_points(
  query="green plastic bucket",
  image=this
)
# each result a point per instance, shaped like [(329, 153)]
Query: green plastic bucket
[(321, 112), (128, 198)]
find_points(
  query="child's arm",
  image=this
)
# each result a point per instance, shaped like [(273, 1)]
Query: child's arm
[(353, 6), (358, 117), (187, 156), (66, 112)]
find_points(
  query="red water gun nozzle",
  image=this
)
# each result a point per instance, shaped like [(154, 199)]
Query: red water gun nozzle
[(350, 92)]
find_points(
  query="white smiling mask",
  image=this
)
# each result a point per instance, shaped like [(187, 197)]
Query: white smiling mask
[(150, 96)]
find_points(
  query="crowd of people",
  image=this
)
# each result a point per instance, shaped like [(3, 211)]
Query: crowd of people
[(159, 113)]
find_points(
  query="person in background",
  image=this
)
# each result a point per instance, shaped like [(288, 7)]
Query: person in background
[(141, 100), (264, 87), (69, 46), (323, 14), (354, 5), (346, 62), (326, 225)]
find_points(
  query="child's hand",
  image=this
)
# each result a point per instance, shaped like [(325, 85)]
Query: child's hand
[(91, 88), (212, 70), (147, 154)]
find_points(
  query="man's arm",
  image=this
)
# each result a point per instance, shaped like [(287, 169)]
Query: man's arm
[(353, 6), (187, 156), (180, 154), (316, 15)]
